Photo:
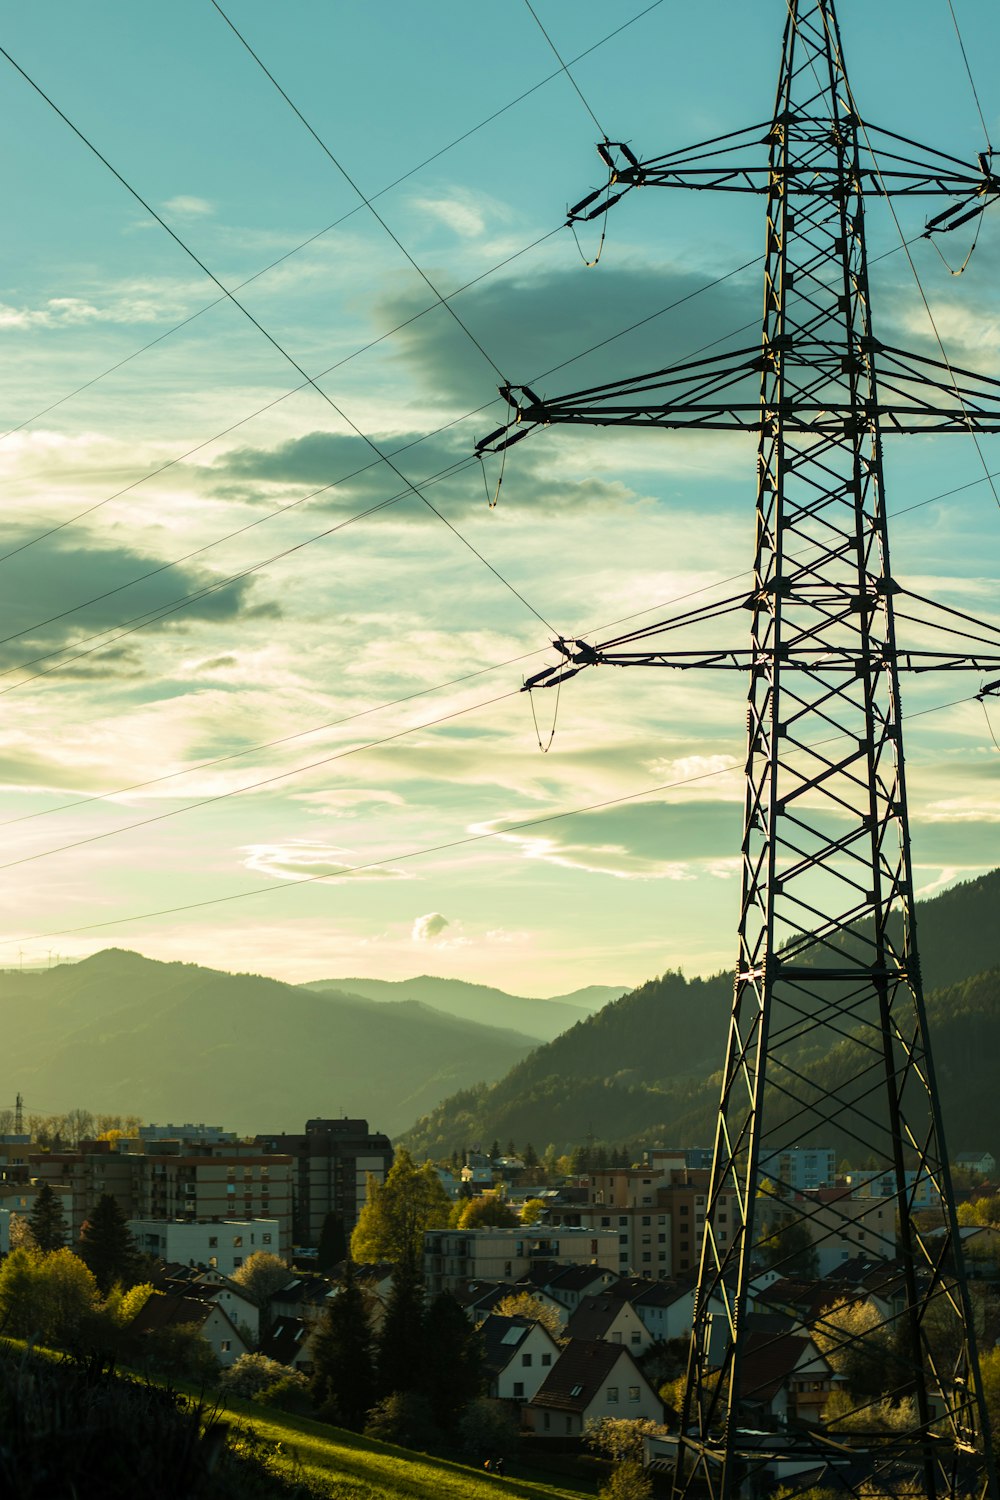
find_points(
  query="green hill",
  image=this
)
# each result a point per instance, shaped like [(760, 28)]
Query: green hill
[(646, 1069)]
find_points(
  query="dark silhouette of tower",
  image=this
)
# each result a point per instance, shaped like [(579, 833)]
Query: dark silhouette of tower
[(828, 1038)]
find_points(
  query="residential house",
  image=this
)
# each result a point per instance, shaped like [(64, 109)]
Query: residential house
[(984, 1163), (612, 1319), (784, 1378), (288, 1341), (569, 1285), (590, 1380), (166, 1310), (518, 1354)]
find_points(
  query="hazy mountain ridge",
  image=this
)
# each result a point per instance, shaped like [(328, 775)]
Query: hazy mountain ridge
[(174, 1041), (543, 1019), (646, 1068)]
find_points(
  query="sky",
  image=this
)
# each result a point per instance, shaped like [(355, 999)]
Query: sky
[(221, 678)]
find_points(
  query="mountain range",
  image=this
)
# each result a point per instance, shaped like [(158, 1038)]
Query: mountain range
[(120, 1033), (543, 1019), (645, 1069)]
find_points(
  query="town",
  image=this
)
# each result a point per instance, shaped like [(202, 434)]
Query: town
[(509, 1309)]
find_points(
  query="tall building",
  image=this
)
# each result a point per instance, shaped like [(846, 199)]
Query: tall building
[(332, 1161)]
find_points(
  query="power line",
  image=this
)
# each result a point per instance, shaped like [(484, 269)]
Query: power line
[(438, 687), (434, 156), (564, 66), (274, 342), (253, 786), (366, 201), (972, 81), (400, 858)]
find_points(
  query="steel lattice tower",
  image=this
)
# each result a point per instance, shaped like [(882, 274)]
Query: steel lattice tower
[(828, 1034)]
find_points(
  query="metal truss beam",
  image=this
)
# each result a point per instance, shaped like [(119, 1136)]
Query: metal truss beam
[(828, 1035)]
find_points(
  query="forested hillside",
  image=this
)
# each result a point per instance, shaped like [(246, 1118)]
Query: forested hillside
[(645, 1070)]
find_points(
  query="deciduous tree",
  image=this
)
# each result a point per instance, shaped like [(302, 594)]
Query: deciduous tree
[(47, 1297), (398, 1211), (487, 1210)]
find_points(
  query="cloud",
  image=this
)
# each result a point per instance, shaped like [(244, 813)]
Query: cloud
[(302, 859), (185, 206), (44, 608), (648, 841), (531, 325), (427, 928)]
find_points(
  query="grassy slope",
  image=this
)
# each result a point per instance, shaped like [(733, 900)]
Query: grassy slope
[(350, 1467), (358, 1468)]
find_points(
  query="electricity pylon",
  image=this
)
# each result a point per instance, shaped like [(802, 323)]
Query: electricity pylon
[(828, 1036)]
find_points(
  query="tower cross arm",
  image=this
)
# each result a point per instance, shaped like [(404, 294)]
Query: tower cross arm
[(917, 394), (887, 165)]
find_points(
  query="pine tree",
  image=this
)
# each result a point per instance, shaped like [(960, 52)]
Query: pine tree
[(453, 1361), (47, 1221), (332, 1248), (107, 1247), (400, 1343), (343, 1380)]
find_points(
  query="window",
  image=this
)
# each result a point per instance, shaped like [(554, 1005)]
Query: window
[(576, 1390), (646, 1221), (546, 1359), (518, 1387), (213, 1242), (685, 1209), (647, 1255), (606, 1222), (611, 1395), (526, 1361), (237, 1261), (636, 1337), (546, 1421), (623, 1221), (661, 1239), (265, 1239), (616, 1338), (633, 1393), (225, 1346)]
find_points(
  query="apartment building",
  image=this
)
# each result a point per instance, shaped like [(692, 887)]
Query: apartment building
[(332, 1161)]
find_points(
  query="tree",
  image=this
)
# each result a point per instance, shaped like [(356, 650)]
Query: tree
[(261, 1275), (453, 1361), (251, 1373), (107, 1247), (530, 1156), (526, 1305), (332, 1248), (790, 1250), (622, 1440), (404, 1417), (397, 1211), (47, 1220), (21, 1237), (400, 1340), (46, 1297), (343, 1378), (487, 1428), (489, 1209), (533, 1210)]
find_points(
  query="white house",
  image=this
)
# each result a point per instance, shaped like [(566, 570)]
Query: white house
[(518, 1354), (590, 1380), (612, 1319)]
